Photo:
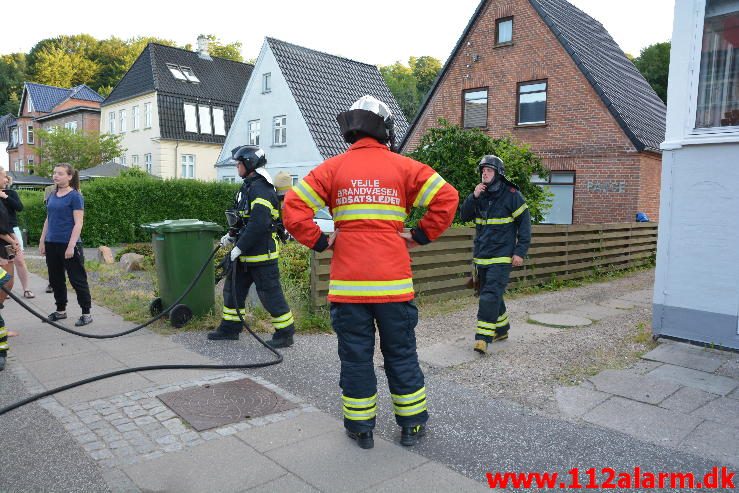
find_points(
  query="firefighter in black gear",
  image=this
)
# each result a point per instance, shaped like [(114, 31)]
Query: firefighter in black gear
[(256, 251), (503, 225)]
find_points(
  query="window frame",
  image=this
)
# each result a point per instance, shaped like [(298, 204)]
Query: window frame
[(221, 120), (111, 122), (122, 115), (70, 126), (487, 105), (257, 132), (147, 115), (135, 160), (266, 82), (204, 114), (282, 128), (29, 134), (194, 106), (498, 22), (549, 183), (148, 162), (518, 101), (135, 118), (184, 166)]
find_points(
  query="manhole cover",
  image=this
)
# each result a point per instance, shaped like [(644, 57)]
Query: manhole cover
[(220, 404)]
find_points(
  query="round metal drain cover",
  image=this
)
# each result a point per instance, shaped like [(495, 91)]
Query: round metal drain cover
[(215, 405)]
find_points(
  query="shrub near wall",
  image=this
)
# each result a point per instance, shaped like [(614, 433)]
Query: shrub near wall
[(116, 207)]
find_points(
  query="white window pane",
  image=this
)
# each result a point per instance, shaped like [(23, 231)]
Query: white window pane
[(176, 73), (189, 74), (540, 86), (147, 115), (135, 118), (718, 86), (191, 119), (122, 124), (204, 113), (505, 31), (111, 122), (476, 109), (219, 123), (538, 179), (266, 82), (561, 211)]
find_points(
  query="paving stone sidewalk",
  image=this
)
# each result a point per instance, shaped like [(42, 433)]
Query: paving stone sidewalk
[(139, 444)]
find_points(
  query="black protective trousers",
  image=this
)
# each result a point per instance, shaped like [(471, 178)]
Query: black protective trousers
[(354, 324), (266, 277), (492, 318), (74, 268)]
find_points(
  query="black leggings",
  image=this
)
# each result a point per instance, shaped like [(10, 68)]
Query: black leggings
[(75, 269)]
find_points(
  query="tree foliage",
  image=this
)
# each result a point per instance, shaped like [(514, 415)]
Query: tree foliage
[(454, 153), (654, 64), (12, 76), (410, 83), (80, 149)]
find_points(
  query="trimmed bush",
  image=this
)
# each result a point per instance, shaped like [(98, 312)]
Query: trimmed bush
[(115, 208)]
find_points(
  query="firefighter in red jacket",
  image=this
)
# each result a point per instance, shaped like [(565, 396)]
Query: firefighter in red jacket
[(370, 191)]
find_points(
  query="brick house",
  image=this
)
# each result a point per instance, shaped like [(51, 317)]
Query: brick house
[(46, 107), (546, 74)]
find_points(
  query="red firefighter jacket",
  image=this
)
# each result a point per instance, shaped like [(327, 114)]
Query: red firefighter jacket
[(370, 191)]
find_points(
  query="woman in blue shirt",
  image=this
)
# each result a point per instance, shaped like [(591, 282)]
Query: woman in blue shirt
[(60, 242)]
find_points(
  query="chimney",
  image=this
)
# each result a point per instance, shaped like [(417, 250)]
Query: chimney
[(203, 48)]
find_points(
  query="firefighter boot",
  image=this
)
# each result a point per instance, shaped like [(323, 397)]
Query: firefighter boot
[(363, 438), (280, 342), (409, 435), (500, 336), (222, 335), (481, 346)]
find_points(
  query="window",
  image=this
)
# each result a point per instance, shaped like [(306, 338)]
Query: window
[(718, 83), (111, 122), (475, 108), (188, 166), (280, 131), (14, 137), (229, 179), (504, 31), (30, 163), (29, 133), (135, 118), (219, 124), (31, 109), (72, 126), (254, 130), (266, 82), (561, 184), (205, 126), (135, 160), (19, 166), (122, 114), (123, 160), (294, 179), (20, 134), (191, 118), (147, 115), (532, 103), (189, 75), (147, 162), (176, 72)]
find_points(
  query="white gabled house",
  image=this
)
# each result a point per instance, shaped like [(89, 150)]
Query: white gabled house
[(290, 105)]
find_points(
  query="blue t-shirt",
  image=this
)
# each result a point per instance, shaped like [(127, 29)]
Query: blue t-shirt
[(60, 214)]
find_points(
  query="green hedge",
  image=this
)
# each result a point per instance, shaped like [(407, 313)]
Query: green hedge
[(116, 207)]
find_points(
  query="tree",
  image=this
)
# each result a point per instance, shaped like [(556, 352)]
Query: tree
[(454, 153), (56, 67), (410, 83), (402, 85), (654, 64), (12, 75), (81, 150)]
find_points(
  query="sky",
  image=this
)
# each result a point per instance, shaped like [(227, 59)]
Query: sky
[(389, 31)]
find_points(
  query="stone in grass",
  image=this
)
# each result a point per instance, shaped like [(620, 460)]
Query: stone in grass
[(105, 255), (559, 320), (132, 261)]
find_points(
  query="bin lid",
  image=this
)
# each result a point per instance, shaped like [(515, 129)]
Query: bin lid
[(182, 225)]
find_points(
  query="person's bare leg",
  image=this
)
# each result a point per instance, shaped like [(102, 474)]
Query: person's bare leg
[(10, 269), (22, 270)]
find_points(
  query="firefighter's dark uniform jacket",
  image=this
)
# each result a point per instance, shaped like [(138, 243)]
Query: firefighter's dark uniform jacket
[(259, 207), (370, 191), (503, 225)]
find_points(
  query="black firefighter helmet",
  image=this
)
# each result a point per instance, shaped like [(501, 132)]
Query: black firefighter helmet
[(368, 116), (491, 161), (252, 157)]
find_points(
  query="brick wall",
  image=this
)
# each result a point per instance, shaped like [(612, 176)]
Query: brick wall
[(580, 133)]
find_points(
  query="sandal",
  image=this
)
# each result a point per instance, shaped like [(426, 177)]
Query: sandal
[(28, 294)]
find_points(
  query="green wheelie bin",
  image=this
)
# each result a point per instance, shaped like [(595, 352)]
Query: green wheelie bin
[(180, 248)]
